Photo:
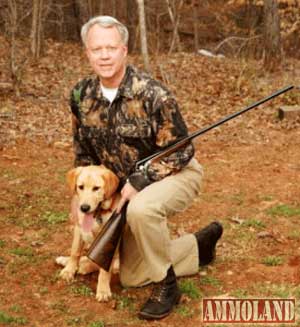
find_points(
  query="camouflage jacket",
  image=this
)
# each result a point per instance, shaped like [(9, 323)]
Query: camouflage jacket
[(141, 120)]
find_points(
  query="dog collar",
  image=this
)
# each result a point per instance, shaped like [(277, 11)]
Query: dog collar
[(99, 220)]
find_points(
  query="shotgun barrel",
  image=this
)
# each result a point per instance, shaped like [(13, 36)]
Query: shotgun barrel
[(174, 147)]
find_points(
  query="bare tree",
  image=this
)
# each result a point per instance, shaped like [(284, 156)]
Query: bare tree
[(92, 7), (175, 19), (12, 22), (114, 8), (13, 14), (273, 50), (131, 19), (36, 28), (83, 10), (143, 34), (195, 23)]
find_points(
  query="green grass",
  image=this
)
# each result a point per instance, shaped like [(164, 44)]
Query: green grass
[(15, 308), (54, 218), (294, 235), (239, 293), (60, 306), (238, 198), (98, 323), (61, 175), (276, 290), (124, 302), (8, 174), (262, 289), (7, 319), (44, 290), (266, 198), (189, 288), (283, 210), (242, 235), (184, 311), (74, 321), (82, 290), (272, 260), (255, 223), (26, 252), (209, 280), (296, 292)]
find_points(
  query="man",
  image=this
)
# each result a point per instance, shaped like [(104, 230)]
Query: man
[(120, 116)]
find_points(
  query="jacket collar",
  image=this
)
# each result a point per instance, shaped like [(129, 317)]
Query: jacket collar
[(125, 88)]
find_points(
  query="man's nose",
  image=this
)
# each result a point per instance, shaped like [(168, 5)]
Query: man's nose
[(104, 53)]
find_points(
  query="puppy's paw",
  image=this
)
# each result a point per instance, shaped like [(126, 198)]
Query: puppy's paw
[(68, 274), (103, 295), (62, 261), (86, 266)]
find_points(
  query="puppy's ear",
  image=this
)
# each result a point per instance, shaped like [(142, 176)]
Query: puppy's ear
[(72, 177), (111, 182)]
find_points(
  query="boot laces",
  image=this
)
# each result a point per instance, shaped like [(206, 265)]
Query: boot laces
[(159, 292)]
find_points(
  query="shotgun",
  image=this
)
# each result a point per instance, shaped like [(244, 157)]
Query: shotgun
[(104, 246)]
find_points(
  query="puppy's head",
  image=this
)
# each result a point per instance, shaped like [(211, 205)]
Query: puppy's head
[(92, 185)]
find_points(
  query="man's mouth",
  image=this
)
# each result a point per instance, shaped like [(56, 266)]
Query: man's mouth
[(105, 67)]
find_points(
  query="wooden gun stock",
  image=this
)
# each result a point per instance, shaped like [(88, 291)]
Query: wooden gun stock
[(106, 242)]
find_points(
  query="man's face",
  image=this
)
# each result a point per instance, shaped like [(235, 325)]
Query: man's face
[(107, 54)]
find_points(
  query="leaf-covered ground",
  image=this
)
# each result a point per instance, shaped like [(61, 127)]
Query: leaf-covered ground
[(252, 174)]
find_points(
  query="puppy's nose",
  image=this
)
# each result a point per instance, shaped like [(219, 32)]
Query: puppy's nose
[(85, 208)]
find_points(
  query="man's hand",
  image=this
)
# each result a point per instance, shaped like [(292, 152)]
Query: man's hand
[(127, 193)]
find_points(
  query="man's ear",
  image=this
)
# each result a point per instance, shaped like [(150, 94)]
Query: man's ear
[(111, 182), (72, 177)]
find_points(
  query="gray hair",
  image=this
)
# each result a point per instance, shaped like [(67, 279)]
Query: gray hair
[(107, 22)]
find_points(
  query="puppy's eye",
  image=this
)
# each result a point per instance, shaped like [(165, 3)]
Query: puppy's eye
[(96, 188), (81, 187)]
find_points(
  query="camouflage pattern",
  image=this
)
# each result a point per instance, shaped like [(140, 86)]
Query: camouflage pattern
[(142, 119)]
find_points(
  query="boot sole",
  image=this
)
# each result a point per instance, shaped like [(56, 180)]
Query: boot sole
[(149, 316)]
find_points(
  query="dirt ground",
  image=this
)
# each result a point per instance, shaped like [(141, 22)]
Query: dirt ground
[(251, 185)]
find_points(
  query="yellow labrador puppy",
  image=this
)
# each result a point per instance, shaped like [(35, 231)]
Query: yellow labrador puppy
[(94, 194)]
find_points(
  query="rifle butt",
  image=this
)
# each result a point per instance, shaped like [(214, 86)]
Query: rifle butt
[(106, 242)]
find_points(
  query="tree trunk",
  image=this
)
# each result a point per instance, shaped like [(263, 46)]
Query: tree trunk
[(273, 50), (175, 18), (143, 34), (195, 9), (14, 68), (114, 8), (91, 8), (76, 12), (36, 28), (131, 23)]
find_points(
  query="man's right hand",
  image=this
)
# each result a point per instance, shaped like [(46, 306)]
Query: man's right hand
[(127, 193)]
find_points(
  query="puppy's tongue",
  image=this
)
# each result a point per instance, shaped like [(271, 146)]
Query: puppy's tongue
[(87, 223)]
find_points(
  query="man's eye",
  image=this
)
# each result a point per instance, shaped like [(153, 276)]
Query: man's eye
[(96, 188), (81, 187)]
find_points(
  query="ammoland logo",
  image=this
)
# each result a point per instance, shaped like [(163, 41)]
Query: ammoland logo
[(248, 311)]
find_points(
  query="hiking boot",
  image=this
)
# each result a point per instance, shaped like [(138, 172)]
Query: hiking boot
[(207, 239), (165, 295)]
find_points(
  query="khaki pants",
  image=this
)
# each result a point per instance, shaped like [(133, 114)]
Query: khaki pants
[(147, 251)]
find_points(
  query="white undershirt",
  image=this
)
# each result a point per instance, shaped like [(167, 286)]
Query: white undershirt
[(110, 94)]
